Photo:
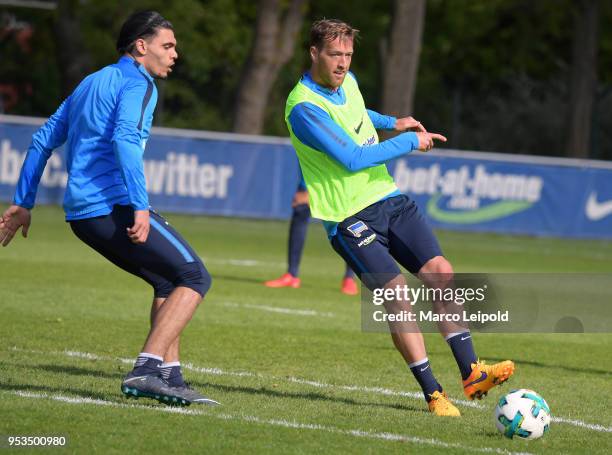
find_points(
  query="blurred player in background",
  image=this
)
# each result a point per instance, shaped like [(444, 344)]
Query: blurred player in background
[(298, 228), (370, 224), (105, 124)]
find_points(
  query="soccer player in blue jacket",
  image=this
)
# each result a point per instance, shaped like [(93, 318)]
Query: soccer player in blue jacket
[(105, 124)]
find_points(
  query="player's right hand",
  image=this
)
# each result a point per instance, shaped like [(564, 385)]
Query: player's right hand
[(426, 140), (408, 124), (14, 217), (140, 231)]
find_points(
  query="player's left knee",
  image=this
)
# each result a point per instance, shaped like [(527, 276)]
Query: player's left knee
[(195, 276), (437, 272), (443, 267)]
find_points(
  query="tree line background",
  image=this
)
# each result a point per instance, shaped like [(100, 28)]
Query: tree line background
[(515, 76)]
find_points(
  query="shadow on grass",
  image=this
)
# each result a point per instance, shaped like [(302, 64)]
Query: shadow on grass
[(63, 370), (90, 394), (68, 369), (75, 371), (557, 367), (313, 396), (263, 391), (518, 362), (494, 435), (56, 390)]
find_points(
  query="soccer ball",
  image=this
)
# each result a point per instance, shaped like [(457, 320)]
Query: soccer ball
[(522, 413)]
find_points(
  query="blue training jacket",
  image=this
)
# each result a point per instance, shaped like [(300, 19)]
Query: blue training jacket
[(105, 123)]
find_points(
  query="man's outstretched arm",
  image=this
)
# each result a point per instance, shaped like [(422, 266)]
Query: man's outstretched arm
[(50, 136), (315, 128)]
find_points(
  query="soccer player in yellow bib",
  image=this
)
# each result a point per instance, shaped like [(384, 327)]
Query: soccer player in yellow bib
[(370, 224)]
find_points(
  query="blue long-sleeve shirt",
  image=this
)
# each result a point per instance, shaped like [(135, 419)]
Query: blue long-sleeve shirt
[(105, 123), (316, 129)]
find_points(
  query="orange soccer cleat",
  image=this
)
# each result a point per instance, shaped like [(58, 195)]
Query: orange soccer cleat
[(441, 406), (349, 286), (484, 377), (285, 281)]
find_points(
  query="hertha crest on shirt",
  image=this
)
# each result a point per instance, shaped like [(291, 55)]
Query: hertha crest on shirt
[(357, 228)]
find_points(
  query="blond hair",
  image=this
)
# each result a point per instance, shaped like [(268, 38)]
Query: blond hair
[(326, 30)]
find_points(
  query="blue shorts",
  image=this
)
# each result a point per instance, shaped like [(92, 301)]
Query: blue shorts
[(372, 240), (165, 260)]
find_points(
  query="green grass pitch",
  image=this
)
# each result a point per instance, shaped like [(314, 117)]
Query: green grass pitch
[(292, 368)]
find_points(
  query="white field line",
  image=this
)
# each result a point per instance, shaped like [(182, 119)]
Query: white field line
[(268, 422), (219, 372), (84, 400), (282, 310), (579, 423), (321, 385)]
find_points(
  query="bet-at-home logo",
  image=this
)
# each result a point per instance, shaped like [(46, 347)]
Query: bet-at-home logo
[(465, 196)]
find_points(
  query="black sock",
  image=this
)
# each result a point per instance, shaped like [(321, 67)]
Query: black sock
[(424, 376), (297, 236), (463, 350), (348, 272), (147, 364), (171, 372)]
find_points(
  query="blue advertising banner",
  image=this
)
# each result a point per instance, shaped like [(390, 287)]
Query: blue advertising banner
[(488, 192), (199, 173), (251, 176)]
